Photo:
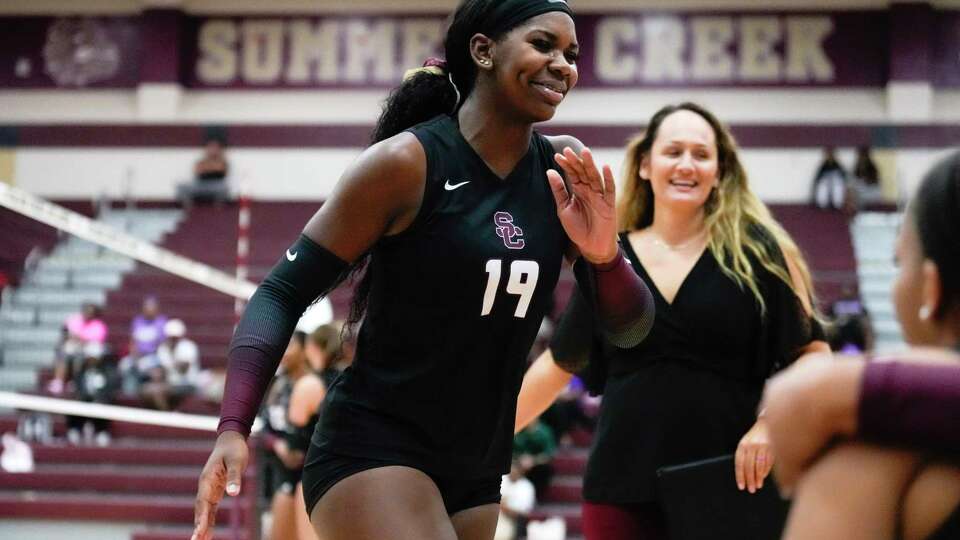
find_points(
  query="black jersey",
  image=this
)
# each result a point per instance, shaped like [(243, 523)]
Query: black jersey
[(455, 304)]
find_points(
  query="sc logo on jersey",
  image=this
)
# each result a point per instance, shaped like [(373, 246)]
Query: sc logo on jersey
[(511, 234)]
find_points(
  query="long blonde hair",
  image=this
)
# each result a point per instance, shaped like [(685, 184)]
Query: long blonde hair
[(737, 222)]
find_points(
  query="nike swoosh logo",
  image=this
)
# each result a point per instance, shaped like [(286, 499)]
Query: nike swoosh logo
[(450, 187), (291, 256)]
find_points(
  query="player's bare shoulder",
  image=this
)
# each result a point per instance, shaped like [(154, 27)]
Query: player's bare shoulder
[(398, 165)]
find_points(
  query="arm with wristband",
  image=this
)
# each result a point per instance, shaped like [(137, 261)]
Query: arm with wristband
[(610, 296), (585, 199)]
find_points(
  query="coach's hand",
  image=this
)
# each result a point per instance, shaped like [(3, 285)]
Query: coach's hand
[(754, 458), (223, 471)]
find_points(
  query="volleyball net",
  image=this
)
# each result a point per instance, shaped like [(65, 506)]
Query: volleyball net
[(104, 235), (148, 433)]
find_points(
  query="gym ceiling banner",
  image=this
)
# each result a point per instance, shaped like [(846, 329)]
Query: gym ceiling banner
[(629, 50)]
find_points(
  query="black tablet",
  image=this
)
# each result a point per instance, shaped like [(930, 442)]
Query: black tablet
[(701, 502)]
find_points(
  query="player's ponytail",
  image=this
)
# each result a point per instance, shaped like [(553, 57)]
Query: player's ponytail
[(425, 92)]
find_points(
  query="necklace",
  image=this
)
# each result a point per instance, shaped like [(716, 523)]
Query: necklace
[(657, 241)]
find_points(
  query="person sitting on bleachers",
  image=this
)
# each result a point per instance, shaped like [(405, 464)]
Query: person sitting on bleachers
[(830, 184), (177, 373), (866, 189), (79, 330), (146, 335), (210, 177), (96, 381)]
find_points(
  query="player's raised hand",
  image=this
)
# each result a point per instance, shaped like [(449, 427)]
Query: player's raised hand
[(587, 210)]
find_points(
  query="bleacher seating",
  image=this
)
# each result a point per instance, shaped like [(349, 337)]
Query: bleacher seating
[(148, 475), (209, 235), (824, 238), (21, 235)]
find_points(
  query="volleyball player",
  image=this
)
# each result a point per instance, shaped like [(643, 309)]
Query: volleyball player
[(869, 450), (463, 221)]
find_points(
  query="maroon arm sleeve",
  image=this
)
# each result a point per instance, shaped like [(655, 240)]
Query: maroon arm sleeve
[(621, 300), (306, 272), (917, 405)]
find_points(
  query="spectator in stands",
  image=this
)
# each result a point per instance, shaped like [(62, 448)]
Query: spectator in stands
[(732, 308), (517, 499), (830, 183), (176, 375), (533, 448), (96, 381), (210, 177), (869, 448), (852, 331), (865, 189), (79, 330), (146, 335)]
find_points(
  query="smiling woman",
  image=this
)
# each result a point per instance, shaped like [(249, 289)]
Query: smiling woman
[(732, 308), (459, 220)]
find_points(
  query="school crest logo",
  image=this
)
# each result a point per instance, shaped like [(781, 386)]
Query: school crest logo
[(511, 234)]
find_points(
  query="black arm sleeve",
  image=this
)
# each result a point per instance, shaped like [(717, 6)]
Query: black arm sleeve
[(305, 273)]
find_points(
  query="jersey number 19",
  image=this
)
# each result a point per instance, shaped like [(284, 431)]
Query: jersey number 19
[(522, 282)]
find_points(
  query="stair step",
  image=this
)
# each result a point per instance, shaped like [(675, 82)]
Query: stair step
[(18, 315), (105, 478), (127, 451), (571, 461), (565, 489), (106, 507), (32, 357), (134, 432)]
